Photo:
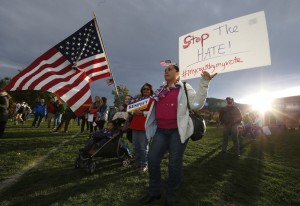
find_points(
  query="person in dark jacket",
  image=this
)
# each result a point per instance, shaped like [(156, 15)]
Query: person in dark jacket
[(4, 104), (39, 111), (102, 114), (58, 112), (230, 117), (67, 116)]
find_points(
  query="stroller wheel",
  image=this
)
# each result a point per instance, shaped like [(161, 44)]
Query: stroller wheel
[(91, 167), (76, 163)]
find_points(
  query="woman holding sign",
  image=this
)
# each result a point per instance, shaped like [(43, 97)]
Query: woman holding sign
[(139, 139), (169, 123)]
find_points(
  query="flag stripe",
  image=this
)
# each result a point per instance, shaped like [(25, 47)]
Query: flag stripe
[(63, 87), (73, 96), (97, 59), (80, 107), (59, 80), (69, 90), (28, 80), (48, 72), (47, 81), (32, 68)]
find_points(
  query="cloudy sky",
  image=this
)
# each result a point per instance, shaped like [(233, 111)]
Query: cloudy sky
[(139, 33)]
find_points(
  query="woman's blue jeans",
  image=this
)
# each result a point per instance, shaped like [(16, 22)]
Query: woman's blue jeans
[(140, 145), (165, 140)]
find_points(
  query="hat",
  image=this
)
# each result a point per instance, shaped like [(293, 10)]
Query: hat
[(229, 98), (166, 63)]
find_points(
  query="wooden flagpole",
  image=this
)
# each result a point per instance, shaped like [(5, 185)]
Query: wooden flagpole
[(99, 33)]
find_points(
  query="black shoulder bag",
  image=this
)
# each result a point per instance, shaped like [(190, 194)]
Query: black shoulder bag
[(198, 121)]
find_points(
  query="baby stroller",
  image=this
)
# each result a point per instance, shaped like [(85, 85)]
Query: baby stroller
[(112, 148)]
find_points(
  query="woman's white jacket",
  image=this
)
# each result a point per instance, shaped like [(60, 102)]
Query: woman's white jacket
[(184, 122)]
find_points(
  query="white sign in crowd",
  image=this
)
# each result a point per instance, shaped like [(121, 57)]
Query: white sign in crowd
[(233, 45)]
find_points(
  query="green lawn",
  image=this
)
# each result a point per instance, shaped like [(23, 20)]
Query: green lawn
[(37, 168)]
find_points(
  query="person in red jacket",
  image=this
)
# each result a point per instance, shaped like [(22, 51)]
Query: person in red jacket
[(137, 125), (50, 111)]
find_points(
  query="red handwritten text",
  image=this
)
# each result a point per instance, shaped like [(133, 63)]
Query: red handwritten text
[(220, 66), (188, 40)]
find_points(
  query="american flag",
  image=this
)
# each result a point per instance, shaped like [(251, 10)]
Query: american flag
[(165, 63), (68, 68), (109, 82)]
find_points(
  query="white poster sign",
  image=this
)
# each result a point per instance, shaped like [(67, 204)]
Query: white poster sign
[(240, 43), (90, 118), (138, 103)]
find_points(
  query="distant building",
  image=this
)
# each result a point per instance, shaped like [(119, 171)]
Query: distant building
[(285, 113)]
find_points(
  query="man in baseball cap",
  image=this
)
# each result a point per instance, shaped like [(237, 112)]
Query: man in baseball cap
[(230, 116)]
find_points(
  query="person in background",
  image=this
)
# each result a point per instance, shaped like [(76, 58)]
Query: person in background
[(84, 121), (50, 111), (39, 111), (100, 137), (169, 124), (230, 116), (59, 110), (4, 104), (20, 113), (16, 115), (248, 125), (65, 120), (26, 112), (257, 125), (93, 111), (102, 114), (123, 108), (139, 138)]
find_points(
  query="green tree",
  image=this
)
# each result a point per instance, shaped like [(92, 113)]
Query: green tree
[(3, 82), (123, 91)]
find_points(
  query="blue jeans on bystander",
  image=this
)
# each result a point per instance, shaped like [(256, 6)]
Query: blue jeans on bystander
[(140, 146)]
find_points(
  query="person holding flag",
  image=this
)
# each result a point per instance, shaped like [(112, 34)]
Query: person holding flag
[(169, 124)]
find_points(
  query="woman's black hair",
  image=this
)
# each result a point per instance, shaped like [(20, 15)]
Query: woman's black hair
[(150, 86), (176, 67), (104, 99)]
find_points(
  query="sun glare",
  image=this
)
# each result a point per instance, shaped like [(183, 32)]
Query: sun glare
[(263, 105), (261, 102)]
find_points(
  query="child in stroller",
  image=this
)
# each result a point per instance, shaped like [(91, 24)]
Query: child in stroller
[(99, 138), (107, 142)]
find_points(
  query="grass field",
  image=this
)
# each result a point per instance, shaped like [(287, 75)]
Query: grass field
[(37, 168)]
